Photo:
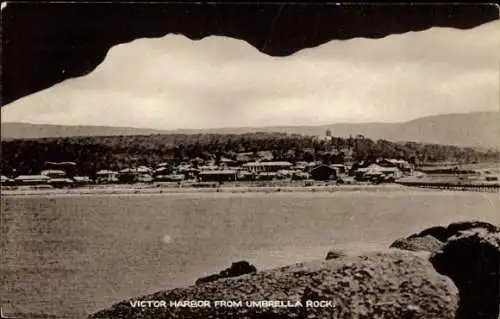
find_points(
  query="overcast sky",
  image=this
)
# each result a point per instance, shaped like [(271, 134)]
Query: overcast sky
[(173, 82)]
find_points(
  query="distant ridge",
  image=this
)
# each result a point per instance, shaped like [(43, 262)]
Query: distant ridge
[(477, 129), (14, 130)]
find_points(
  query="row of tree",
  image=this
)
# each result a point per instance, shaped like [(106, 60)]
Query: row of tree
[(115, 152)]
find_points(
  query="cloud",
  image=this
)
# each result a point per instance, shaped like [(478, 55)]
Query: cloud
[(174, 82)]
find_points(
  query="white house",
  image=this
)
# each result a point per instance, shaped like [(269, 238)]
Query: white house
[(258, 167)]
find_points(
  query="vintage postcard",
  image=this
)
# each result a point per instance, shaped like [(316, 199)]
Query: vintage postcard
[(250, 160)]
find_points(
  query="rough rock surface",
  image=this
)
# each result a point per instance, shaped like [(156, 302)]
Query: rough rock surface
[(454, 229), (237, 269), (333, 254), (390, 285), (425, 239), (425, 243), (469, 253), (472, 261)]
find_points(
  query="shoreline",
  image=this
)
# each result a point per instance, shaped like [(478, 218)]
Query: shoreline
[(192, 190), (241, 188)]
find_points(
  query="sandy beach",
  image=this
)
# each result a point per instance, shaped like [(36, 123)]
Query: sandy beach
[(159, 189)]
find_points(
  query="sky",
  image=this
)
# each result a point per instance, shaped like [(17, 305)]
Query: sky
[(173, 82)]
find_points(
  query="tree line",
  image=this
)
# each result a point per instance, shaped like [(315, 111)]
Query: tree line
[(28, 156)]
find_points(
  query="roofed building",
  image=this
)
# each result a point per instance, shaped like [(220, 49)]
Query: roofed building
[(266, 176), (218, 176), (32, 180), (68, 167), (169, 178), (5, 181), (82, 180), (323, 173), (53, 173), (106, 176), (245, 176), (61, 182), (377, 170), (341, 169), (258, 167), (401, 164), (265, 155), (245, 157)]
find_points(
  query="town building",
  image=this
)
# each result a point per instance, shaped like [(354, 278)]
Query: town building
[(227, 162), (61, 182), (399, 163), (32, 180), (53, 173), (189, 172), (285, 173), (169, 178), (162, 170), (5, 181), (141, 174), (245, 175), (245, 157), (323, 173), (258, 167), (375, 170), (265, 156), (82, 180), (266, 176), (300, 175), (218, 176), (340, 168), (68, 167), (106, 176), (127, 176)]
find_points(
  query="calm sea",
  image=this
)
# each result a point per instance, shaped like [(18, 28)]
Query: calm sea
[(68, 256)]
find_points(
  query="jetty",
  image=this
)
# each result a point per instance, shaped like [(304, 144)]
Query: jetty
[(454, 186), (455, 183)]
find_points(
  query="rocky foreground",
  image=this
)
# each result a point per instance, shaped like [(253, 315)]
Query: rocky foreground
[(441, 273)]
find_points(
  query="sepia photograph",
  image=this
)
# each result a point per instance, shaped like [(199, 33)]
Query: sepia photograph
[(250, 160)]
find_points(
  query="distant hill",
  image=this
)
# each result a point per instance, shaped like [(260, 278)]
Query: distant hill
[(27, 130), (478, 129)]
